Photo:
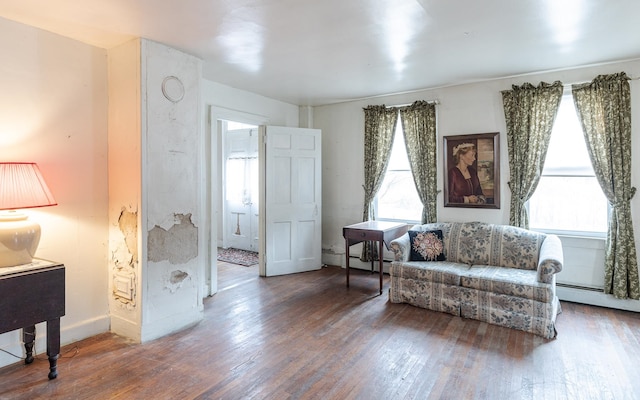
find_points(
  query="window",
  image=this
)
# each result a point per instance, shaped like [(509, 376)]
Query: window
[(398, 198), (568, 198)]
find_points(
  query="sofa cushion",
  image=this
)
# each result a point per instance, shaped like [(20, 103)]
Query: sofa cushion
[(510, 281), (426, 246), (489, 244), (440, 272)]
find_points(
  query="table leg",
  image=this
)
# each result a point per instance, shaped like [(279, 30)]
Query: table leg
[(28, 338), (381, 264), (53, 346), (371, 246), (346, 246)]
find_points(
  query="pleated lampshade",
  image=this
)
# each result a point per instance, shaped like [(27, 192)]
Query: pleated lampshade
[(21, 186)]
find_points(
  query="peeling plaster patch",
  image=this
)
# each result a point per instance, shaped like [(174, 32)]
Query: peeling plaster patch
[(175, 280), (177, 245), (128, 223), (125, 258), (124, 287), (178, 276), (121, 257)]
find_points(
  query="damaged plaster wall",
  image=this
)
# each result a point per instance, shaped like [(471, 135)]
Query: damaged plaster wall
[(155, 137), (124, 257), (173, 269), (178, 244)]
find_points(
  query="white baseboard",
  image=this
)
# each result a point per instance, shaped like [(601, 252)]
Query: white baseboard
[(332, 259), (171, 324), (68, 334), (125, 328), (595, 298)]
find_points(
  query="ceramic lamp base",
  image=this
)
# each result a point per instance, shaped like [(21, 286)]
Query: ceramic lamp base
[(19, 239)]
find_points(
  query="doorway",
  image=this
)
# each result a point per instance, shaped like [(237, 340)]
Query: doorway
[(289, 162), (222, 120), (240, 203)]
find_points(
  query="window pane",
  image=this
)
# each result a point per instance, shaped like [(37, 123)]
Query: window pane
[(398, 159), (569, 204), (397, 197), (567, 153)]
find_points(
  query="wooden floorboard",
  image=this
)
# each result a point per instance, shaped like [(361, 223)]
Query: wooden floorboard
[(307, 336)]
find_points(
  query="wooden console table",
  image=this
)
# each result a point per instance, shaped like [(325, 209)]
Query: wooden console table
[(375, 231), (34, 293)]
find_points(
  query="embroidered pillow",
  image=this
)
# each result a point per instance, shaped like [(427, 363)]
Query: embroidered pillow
[(426, 246)]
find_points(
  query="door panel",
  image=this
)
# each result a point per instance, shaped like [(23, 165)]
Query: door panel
[(293, 200)]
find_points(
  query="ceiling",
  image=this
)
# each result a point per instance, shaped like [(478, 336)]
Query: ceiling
[(313, 52)]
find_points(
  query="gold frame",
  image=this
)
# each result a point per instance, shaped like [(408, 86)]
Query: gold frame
[(487, 166)]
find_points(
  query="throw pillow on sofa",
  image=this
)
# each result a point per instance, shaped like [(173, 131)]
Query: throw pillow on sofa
[(426, 246)]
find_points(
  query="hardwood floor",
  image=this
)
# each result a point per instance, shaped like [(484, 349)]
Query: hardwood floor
[(308, 336)]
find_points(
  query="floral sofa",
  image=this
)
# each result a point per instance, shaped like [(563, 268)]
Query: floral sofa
[(498, 274)]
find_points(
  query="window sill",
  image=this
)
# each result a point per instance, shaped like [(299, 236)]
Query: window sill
[(574, 234)]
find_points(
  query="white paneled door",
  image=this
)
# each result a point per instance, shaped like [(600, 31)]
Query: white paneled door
[(291, 200)]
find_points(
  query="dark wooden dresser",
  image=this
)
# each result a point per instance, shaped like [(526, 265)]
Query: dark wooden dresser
[(30, 294)]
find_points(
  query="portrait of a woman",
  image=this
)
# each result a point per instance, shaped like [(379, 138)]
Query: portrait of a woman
[(464, 185)]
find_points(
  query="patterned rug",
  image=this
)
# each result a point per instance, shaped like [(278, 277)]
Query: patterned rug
[(236, 256)]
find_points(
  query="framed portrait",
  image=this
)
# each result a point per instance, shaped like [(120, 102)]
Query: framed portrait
[(472, 170)]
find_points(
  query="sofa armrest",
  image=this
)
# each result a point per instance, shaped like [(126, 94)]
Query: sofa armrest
[(400, 248), (551, 259)]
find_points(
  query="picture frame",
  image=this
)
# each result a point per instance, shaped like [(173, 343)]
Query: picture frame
[(472, 180)]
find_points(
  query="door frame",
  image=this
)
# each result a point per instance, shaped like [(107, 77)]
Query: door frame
[(214, 186)]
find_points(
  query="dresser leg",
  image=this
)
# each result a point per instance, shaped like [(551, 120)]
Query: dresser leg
[(53, 366), (53, 346), (29, 337)]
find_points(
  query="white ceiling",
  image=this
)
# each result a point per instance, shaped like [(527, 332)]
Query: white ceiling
[(312, 52)]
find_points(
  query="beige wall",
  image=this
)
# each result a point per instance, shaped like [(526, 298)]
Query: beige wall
[(53, 111)]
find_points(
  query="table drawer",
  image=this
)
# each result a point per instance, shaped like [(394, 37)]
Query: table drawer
[(356, 234)]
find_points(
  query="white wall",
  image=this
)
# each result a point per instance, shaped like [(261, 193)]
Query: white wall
[(463, 109), (53, 111)]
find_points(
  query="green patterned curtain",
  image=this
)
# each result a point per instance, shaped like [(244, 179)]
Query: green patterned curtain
[(419, 127), (379, 126), (604, 108), (529, 112)]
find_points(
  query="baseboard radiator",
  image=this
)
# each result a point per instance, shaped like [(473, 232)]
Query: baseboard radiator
[(594, 296)]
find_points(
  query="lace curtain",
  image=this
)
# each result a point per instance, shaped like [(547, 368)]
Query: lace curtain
[(529, 112), (604, 109), (419, 127)]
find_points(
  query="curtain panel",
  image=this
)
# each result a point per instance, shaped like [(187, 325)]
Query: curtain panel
[(604, 109), (419, 127), (529, 112), (379, 126)]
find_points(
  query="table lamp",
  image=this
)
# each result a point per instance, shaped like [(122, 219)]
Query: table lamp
[(21, 186)]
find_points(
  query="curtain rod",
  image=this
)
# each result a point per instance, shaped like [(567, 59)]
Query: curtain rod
[(582, 82), (436, 102)]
